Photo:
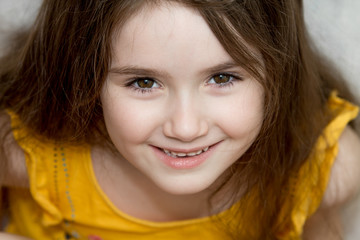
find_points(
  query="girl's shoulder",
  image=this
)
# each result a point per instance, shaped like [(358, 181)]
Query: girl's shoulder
[(12, 161), (345, 173), (342, 187)]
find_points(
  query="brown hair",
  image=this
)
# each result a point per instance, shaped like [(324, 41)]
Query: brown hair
[(52, 81)]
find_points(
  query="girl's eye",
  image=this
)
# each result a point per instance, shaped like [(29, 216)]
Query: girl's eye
[(223, 79), (145, 83)]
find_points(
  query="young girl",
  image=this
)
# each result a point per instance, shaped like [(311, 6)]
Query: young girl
[(174, 119)]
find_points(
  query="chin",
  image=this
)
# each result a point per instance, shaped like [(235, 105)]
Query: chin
[(184, 187)]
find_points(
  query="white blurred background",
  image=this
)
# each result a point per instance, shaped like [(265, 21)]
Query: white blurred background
[(333, 24)]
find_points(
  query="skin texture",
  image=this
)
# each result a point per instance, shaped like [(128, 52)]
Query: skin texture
[(324, 225)]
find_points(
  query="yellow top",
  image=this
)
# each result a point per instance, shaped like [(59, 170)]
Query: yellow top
[(66, 202)]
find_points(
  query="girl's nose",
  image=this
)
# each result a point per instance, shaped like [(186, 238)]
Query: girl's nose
[(186, 121)]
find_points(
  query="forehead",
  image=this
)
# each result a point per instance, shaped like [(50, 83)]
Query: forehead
[(165, 31)]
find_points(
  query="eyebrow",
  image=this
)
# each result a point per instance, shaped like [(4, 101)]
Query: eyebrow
[(136, 70), (221, 67)]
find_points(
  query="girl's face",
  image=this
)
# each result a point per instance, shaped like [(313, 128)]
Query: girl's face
[(176, 105)]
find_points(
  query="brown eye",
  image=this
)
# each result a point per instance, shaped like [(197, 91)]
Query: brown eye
[(145, 83), (222, 78)]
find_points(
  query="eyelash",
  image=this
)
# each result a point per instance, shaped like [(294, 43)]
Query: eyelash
[(233, 78)]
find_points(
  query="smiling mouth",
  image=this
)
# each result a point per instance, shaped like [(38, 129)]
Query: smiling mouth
[(180, 159), (181, 154)]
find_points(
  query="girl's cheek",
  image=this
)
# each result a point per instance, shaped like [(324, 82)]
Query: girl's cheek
[(240, 114), (129, 119)]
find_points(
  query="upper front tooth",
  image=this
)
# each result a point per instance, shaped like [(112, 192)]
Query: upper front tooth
[(205, 149), (178, 154), (181, 154)]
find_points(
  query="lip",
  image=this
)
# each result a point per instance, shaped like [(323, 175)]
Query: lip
[(187, 162)]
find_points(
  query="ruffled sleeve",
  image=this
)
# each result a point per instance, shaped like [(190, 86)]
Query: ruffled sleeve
[(309, 184), (38, 157)]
